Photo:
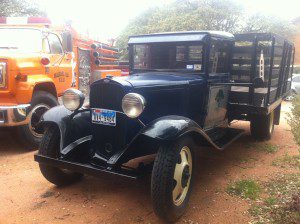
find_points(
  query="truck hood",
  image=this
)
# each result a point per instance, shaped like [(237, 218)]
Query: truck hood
[(21, 61), (153, 79)]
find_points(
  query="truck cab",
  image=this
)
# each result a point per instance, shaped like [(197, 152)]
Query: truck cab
[(38, 62), (183, 92), (35, 70)]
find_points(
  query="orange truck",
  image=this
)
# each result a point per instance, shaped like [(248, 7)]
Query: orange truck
[(38, 62)]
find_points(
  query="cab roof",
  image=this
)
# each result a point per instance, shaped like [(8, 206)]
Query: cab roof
[(185, 36)]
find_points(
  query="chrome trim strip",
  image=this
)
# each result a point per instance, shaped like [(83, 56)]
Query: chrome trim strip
[(15, 115)]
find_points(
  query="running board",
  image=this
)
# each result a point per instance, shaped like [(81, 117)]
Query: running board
[(229, 136)]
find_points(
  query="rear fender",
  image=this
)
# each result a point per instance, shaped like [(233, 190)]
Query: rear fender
[(71, 128)]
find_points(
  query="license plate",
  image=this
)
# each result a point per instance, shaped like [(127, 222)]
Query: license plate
[(103, 116)]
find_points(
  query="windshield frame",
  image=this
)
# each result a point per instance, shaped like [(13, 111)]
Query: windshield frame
[(179, 43), (25, 28)]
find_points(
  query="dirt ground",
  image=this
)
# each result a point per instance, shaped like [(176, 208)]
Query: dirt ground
[(26, 197)]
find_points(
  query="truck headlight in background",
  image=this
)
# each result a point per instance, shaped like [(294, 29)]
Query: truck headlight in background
[(133, 104), (2, 74), (73, 99)]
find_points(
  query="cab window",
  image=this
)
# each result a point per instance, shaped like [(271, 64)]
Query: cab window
[(21, 40), (168, 56), (219, 57), (46, 47), (54, 44), (140, 58)]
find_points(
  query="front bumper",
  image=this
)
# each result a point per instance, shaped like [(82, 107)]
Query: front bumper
[(14, 115), (84, 168)]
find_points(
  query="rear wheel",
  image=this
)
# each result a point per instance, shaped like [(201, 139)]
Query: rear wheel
[(50, 147), (171, 180), (31, 134), (262, 126)]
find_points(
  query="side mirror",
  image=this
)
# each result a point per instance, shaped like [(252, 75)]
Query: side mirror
[(67, 41)]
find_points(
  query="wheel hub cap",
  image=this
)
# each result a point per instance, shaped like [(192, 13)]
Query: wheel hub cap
[(182, 176), (185, 176), (34, 118)]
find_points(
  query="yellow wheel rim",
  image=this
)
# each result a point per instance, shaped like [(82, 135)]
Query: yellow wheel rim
[(182, 176)]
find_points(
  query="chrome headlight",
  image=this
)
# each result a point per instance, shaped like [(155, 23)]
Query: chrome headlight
[(2, 74), (133, 104), (73, 99)]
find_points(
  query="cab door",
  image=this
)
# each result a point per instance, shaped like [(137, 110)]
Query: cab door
[(218, 73), (60, 67)]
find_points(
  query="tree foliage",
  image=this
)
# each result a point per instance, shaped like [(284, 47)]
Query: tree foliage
[(264, 23), (185, 15), (19, 8)]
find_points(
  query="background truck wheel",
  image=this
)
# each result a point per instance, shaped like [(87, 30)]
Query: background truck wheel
[(171, 179), (41, 102), (262, 126), (50, 147)]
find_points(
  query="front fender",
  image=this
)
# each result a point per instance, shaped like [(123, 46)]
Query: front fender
[(169, 127), (24, 90), (71, 128), (164, 129)]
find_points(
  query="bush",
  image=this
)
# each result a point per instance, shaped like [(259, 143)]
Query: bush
[(294, 120)]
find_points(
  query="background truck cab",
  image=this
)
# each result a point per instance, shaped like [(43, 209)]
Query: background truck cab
[(38, 62)]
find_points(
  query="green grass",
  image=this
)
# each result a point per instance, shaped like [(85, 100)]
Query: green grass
[(245, 188), (255, 210), (276, 201), (270, 201), (248, 160), (284, 185), (282, 202), (267, 147), (263, 147), (287, 161)]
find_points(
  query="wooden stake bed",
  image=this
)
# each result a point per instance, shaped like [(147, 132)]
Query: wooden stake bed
[(261, 68), (239, 94)]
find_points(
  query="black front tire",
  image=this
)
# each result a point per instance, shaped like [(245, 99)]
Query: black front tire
[(50, 147), (262, 126), (165, 202), (29, 134)]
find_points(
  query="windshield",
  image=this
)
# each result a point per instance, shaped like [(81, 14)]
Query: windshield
[(168, 56), (25, 40)]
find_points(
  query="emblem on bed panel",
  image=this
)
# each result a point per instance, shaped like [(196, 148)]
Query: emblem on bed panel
[(262, 66)]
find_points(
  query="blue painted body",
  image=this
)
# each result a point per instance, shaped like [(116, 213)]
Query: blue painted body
[(170, 94), (176, 103)]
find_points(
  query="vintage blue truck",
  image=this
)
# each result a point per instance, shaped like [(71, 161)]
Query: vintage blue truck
[(183, 92)]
